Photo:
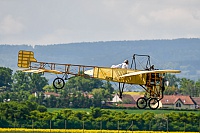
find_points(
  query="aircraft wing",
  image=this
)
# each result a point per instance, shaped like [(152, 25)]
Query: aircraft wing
[(167, 71), (42, 71), (153, 71)]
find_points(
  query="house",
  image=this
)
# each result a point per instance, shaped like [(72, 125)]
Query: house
[(196, 101), (168, 101), (177, 102), (115, 101), (48, 94)]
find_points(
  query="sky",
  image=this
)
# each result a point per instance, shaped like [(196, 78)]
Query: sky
[(43, 22)]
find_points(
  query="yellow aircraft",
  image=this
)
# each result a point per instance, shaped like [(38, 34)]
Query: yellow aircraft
[(150, 79)]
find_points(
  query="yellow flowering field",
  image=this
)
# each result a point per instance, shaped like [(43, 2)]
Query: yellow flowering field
[(23, 130)]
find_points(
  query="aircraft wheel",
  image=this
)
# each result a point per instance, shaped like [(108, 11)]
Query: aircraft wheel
[(141, 103), (153, 103), (58, 83)]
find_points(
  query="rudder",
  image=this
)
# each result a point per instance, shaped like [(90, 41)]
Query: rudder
[(25, 58)]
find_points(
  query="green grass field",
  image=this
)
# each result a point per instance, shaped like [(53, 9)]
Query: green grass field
[(130, 111)]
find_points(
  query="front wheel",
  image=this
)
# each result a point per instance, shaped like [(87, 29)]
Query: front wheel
[(153, 103), (141, 103), (58, 83)]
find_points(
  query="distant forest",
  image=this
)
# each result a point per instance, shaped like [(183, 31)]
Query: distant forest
[(182, 54)]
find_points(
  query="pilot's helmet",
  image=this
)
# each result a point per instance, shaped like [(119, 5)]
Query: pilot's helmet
[(126, 61)]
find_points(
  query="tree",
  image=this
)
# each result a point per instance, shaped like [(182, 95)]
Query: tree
[(107, 85), (171, 90), (182, 85), (187, 86), (173, 80), (21, 81), (51, 101), (5, 77), (197, 88), (42, 108), (96, 112), (99, 95), (83, 84), (37, 82), (49, 88), (28, 81)]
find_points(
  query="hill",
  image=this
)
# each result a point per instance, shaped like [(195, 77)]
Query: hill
[(180, 54)]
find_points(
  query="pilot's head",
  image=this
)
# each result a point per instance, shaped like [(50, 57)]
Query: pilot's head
[(126, 61)]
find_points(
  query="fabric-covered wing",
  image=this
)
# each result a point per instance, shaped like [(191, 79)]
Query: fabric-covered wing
[(167, 71), (154, 71)]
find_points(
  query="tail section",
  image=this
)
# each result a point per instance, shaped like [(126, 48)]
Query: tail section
[(25, 58)]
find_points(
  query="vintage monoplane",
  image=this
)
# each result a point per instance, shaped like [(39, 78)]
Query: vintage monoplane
[(150, 79)]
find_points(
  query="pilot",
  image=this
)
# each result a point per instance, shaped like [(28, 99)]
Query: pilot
[(122, 65), (152, 67), (125, 64)]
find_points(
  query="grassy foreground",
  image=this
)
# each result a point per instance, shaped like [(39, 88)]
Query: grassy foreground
[(130, 111), (23, 130)]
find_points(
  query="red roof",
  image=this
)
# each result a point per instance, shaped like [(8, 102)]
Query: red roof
[(196, 100), (52, 93), (128, 99), (135, 97), (172, 99)]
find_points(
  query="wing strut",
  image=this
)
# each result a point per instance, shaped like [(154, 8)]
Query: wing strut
[(121, 89)]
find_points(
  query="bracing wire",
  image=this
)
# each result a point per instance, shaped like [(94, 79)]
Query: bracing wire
[(141, 63)]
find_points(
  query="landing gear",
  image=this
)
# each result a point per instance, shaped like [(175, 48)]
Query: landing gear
[(121, 89), (153, 103), (141, 103), (58, 83)]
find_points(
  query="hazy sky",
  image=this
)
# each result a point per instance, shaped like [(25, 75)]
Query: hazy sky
[(37, 22)]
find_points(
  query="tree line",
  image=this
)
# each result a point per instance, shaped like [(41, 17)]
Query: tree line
[(32, 115), (78, 92), (182, 86)]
